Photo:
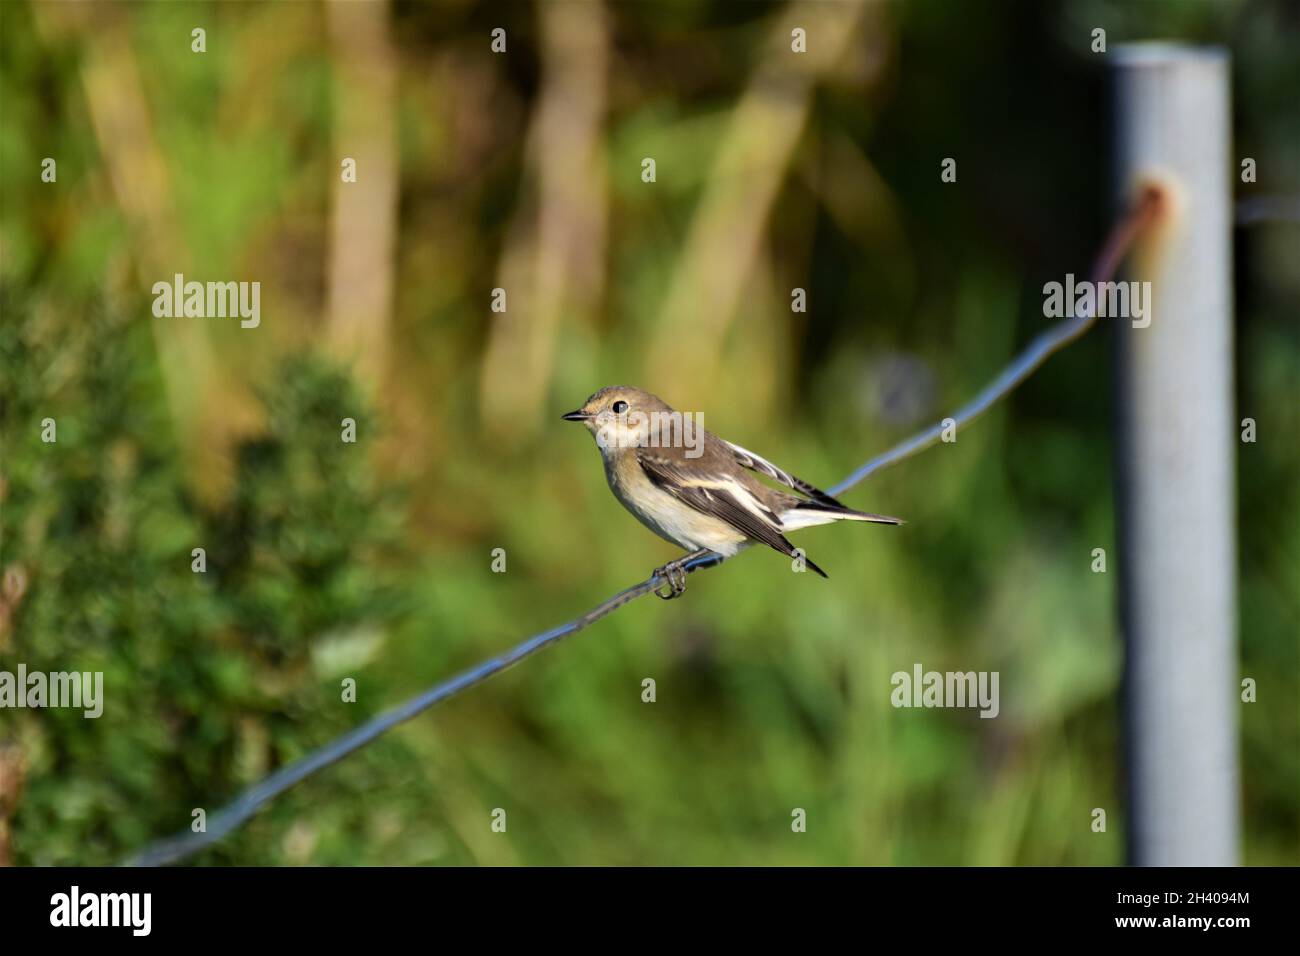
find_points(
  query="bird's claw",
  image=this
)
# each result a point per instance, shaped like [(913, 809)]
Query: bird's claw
[(674, 575)]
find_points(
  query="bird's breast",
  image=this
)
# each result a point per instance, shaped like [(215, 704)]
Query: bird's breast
[(664, 514)]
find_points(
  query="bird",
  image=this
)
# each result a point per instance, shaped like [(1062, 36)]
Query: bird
[(695, 489)]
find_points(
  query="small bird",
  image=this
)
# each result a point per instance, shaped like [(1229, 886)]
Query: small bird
[(694, 489)]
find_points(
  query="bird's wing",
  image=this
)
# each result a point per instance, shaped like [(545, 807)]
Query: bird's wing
[(718, 495), (764, 467)]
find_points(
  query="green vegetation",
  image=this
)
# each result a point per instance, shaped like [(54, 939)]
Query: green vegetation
[(328, 560)]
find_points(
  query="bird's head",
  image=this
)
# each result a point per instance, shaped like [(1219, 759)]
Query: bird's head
[(621, 416)]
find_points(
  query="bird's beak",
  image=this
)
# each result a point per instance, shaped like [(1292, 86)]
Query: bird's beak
[(578, 416)]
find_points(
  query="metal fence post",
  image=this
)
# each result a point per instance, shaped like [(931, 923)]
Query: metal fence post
[(1175, 464)]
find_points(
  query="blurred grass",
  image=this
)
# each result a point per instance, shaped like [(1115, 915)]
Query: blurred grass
[(329, 560)]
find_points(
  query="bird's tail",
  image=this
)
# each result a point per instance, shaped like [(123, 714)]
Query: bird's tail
[(807, 513), (808, 561)]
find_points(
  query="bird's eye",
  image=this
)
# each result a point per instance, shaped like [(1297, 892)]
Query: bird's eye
[(619, 407)]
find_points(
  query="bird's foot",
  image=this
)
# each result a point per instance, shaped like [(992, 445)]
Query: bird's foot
[(674, 574)]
